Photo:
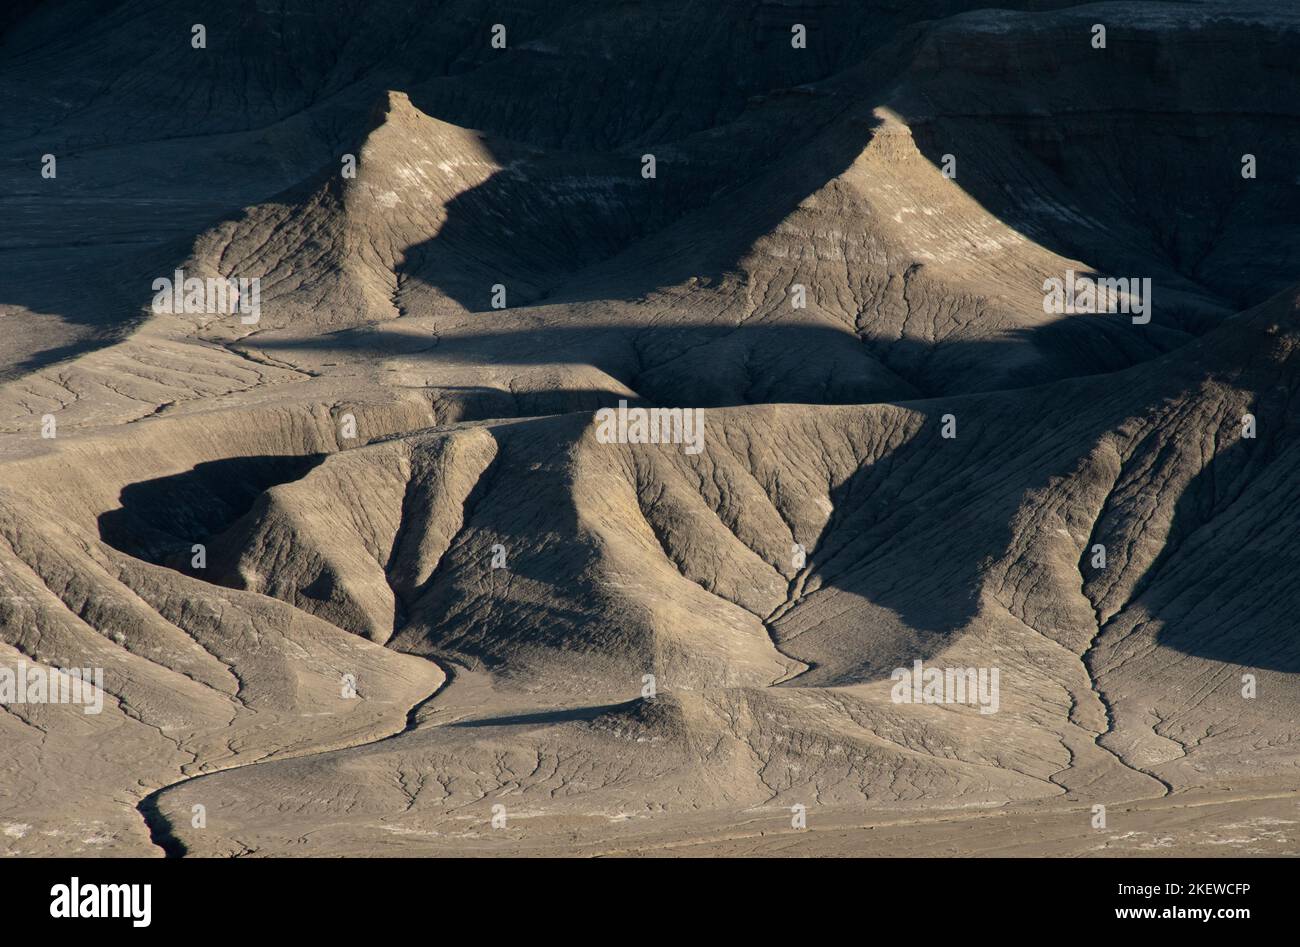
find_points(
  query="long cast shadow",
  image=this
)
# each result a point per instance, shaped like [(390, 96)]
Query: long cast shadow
[(159, 520)]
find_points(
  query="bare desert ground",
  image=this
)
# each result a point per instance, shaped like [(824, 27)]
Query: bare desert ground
[(376, 556)]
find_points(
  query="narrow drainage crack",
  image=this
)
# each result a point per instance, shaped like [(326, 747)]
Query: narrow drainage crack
[(794, 592), (1087, 659), (159, 826)]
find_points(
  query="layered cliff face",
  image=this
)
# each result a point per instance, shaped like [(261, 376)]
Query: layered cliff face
[(364, 567)]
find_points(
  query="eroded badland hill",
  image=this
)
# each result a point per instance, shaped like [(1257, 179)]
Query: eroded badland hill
[(364, 570)]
